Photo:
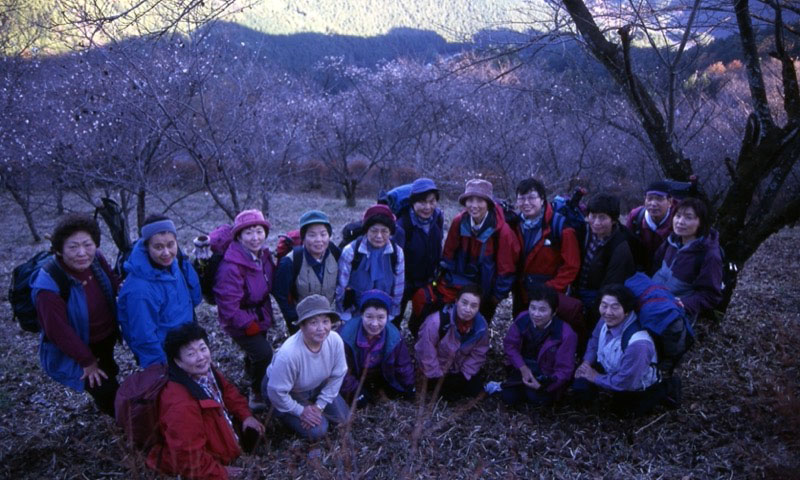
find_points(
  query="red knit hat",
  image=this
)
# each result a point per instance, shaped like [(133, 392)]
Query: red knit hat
[(379, 213)]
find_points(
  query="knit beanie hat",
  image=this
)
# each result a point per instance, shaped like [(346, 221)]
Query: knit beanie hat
[(477, 188), (375, 294), (249, 218), (379, 214), (313, 217)]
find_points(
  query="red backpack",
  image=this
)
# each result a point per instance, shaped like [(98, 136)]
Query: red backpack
[(287, 242), (136, 406)]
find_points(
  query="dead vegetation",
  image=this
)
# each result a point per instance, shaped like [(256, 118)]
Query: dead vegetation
[(740, 416)]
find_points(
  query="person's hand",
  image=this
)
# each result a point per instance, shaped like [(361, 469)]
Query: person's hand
[(94, 374), (527, 378), (251, 422), (311, 417), (587, 372), (234, 472)]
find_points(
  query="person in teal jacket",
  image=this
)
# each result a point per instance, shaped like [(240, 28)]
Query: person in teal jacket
[(159, 293)]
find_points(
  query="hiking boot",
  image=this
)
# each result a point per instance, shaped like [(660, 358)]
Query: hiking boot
[(673, 399), (256, 402)]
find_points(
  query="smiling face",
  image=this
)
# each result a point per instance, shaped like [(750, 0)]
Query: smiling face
[(252, 238), (540, 313), (425, 208), (78, 251), (316, 329), (374, 321), (162, 248), (477, 208), (686, 223), (601, 224), (530, 204), (194, 358), (378, 235), (467, 306), (611, 310), (657, 205), (316, 240)]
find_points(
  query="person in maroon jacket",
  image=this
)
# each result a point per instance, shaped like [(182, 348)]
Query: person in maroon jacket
[(540, 351), (651, 223), (201, 415), (74, 294)]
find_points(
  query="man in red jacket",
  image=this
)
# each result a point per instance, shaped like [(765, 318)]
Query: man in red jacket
[(200, 413), (549, 257)]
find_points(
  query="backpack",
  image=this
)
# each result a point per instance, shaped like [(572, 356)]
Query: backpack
[(567, 212), (397, 199), (350, 232), (287, 242), (297, 264), (662, 317), (220, 238), (114, 217), (20, 291), (136, 406)]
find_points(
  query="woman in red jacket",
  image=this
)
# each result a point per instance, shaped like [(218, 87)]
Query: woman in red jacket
[(202, 416)]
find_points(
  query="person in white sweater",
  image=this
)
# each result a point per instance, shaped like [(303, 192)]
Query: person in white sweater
[(305, 375)]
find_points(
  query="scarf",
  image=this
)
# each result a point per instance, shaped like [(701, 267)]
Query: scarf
[(651, 223), (423, 223), (531, 231), (375, 266)]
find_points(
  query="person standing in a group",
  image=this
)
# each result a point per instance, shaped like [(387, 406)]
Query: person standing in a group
[(241, 289), (651, 223), (159, 293)]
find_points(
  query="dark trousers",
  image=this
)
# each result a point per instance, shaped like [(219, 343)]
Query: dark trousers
[(258, 354), (105, 393), (637, 402), (456, 386), (518, 392)]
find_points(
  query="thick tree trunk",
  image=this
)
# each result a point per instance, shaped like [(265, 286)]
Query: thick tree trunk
[(350, 192)]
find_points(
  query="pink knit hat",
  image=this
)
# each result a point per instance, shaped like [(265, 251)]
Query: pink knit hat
[(477, 188), (249, 218)]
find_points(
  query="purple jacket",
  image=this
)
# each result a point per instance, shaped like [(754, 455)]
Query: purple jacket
[(396, 366), (464, 355), (556, 356), (692, 272), (242, 289)]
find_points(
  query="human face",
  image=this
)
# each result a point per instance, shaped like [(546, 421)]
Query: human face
[(477, 208), (163, 248), (252, 238), (611, 311), (78, 251), (601, 224), (378, 235), (657, 205), (316, 329), (374, 321), (316, 240), (530, 204), (194, 358), (685, 223), (467, 306), (540, 313), (425, 208)]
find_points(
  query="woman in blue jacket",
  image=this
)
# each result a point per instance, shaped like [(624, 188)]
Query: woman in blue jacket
[(160, 291)]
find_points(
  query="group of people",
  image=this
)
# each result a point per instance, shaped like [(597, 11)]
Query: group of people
[(345, 310)]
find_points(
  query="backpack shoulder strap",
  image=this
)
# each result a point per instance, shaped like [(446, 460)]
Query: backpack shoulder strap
[(444, 320), (394, 257), (628, 333), (637, 222), (357, 255), (335, 251), (297, 261), (60, 277), (557, 227)]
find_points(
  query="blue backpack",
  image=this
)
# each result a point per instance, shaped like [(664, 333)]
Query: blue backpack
[(398, 199), (663, 318), (567, 213)]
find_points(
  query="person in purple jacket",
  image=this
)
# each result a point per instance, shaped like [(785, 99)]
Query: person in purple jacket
[(621, 359), (689, 262), (540, 350), (375, 350), (241, 289), (453, 343)]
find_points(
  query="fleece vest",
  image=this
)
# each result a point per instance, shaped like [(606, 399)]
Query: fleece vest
[(307, 282)]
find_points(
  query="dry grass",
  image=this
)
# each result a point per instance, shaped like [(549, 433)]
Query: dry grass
[(740, 417)]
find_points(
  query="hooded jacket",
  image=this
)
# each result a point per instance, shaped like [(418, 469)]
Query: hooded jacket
[(153, 301), (241, 290), (692, 272), (487, 258)]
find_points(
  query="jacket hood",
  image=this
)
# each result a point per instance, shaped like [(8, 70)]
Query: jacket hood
[(138, 264), (709, 241), (238, 254)]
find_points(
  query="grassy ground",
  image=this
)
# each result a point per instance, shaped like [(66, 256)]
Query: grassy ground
[(740, 416)]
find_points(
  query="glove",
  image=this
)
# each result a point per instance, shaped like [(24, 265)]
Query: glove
[(252, 329)]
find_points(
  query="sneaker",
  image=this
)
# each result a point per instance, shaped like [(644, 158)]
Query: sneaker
[(256, 403), (673, 399)]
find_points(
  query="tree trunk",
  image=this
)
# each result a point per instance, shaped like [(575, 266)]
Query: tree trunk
[(25, 205), (350, 192), (265, 203), (59, 198), (141, 211)]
